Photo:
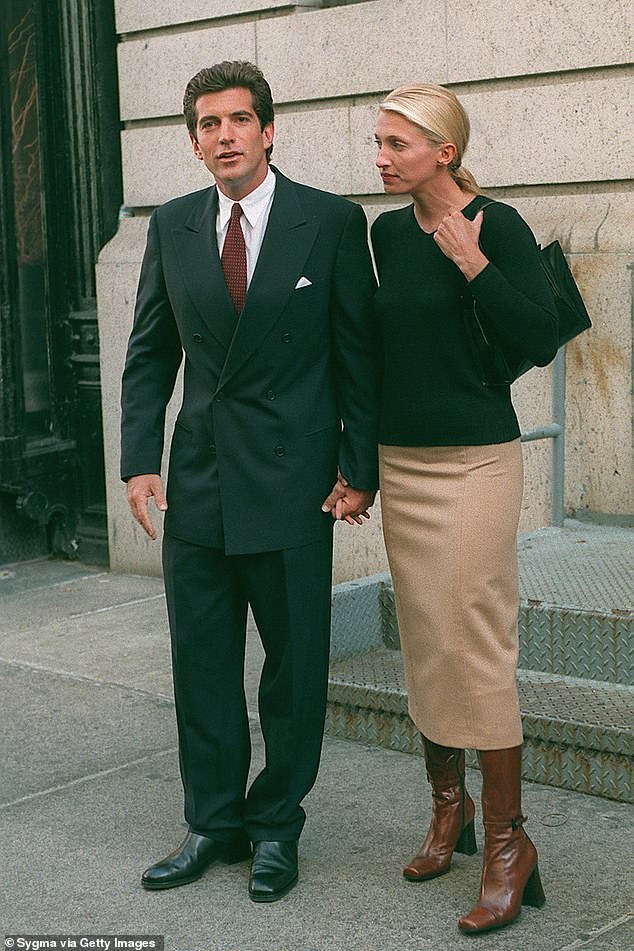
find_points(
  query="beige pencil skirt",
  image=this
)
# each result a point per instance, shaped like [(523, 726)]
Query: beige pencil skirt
[(450, 518)]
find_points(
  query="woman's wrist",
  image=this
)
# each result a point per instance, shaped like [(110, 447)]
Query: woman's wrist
[(473, 265)]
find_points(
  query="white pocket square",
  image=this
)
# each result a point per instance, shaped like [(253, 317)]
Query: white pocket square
[(303, 282)]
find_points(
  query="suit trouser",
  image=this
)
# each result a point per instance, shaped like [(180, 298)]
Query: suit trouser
[(208, 593)]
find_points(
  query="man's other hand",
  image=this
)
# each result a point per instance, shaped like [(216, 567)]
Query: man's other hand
[(140, 489)]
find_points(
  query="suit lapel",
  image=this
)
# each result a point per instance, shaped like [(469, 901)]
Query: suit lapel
[(288, 240), (197, 253)]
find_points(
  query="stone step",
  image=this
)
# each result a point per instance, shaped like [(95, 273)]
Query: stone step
[(578, 732)]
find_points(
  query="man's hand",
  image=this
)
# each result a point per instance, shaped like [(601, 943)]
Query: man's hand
[(347, 504), (140, 489)]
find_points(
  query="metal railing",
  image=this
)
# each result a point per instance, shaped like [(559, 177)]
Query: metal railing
[(555, 431)]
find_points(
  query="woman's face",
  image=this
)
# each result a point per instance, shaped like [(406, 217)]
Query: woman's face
[(407, 160)]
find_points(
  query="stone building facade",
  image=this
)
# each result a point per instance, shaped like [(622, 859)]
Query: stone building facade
[(548, 89)]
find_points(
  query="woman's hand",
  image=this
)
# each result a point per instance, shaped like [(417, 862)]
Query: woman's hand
[(457, 238)]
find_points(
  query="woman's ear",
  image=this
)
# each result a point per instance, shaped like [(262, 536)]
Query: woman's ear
[(446, 153)]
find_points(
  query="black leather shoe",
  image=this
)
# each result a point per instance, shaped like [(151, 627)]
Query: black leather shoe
[(273, 870), (195, 854)]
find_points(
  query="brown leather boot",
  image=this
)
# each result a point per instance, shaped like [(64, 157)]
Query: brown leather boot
[(510, 877), (451, 828)]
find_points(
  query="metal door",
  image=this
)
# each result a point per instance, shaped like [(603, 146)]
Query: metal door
[(59, 195)]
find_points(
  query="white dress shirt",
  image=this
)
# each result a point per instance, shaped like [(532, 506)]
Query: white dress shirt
[(256, 207)]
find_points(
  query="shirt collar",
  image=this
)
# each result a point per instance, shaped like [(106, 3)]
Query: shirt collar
[(252, 205)]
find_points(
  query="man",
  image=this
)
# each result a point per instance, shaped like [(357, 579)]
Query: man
[(266, 285)]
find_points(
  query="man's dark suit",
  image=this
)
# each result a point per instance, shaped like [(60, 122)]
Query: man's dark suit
[(255, 452)]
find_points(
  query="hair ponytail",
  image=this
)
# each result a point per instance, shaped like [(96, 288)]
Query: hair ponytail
[(464, 179)]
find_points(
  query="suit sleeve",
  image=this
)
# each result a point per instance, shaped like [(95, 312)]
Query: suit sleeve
[(356, 354), (153, 358)]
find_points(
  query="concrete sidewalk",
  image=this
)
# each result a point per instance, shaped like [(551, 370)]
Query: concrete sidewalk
[(90, 795)]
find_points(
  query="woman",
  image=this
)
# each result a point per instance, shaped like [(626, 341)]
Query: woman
[(451, 480)]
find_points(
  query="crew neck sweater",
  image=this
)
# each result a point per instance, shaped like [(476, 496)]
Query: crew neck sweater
[(432, 394)]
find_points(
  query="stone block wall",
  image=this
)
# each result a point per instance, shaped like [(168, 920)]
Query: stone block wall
[(548, 89)]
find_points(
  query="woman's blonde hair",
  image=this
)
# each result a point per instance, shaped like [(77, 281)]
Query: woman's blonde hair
[(441, 117)]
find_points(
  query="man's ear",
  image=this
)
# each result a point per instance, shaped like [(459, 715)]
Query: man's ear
[(197, 150), (267, 134)]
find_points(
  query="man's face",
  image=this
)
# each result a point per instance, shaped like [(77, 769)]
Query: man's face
[(230, 142)]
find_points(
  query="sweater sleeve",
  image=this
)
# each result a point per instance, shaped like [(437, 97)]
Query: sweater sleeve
[(512, 291)]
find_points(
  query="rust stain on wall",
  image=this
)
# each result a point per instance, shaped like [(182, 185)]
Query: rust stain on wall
[(601, 358)]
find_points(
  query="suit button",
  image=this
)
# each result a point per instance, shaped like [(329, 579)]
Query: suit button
[(212, 449), (270, 394), (280, 450), (198, 338), (287, 338), (219, 397)]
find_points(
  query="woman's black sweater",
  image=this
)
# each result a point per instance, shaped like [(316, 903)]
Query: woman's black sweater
[(432, 394)]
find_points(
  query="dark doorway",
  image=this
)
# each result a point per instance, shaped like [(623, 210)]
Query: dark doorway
[(60, 191)]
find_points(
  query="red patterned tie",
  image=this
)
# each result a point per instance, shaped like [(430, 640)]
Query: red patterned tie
[(234, 260)]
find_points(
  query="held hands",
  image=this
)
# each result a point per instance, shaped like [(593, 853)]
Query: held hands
[(343, 502), (140, 489), (457, 238), (347, 504)]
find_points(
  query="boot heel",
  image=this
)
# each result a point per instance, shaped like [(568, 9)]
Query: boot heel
[(466, 843), (533, 891)]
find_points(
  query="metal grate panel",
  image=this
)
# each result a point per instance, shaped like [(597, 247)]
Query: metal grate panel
[(576, 643), (581, 567)]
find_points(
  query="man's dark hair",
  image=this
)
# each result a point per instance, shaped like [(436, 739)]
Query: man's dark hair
[(230, 75)]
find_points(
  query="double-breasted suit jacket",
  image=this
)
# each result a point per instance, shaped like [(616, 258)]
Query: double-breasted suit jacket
[(275, 399)]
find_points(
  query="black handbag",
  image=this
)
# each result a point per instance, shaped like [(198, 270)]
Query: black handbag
[(498, 363)]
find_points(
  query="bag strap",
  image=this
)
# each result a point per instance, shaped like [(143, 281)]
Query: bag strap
[(486, 204), (491, 201)]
